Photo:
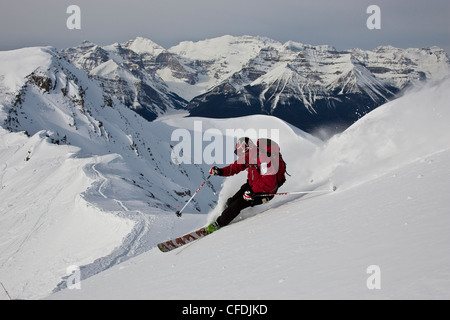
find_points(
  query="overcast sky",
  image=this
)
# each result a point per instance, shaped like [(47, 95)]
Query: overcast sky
[(341, 23)]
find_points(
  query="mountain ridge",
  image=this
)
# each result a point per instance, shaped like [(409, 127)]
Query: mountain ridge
[(231, 76), (341, 85)]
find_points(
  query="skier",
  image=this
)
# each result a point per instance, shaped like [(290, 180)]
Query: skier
[(261, 179)]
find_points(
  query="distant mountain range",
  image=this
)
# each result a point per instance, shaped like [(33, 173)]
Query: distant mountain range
[(307, 86)]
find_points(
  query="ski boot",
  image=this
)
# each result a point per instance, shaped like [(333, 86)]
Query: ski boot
[(212, 227)]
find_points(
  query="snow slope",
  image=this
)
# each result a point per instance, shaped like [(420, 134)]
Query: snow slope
[(390, 210), (46, 223), (83, 182), (309, 248)]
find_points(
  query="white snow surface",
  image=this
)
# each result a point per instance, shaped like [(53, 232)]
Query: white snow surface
[(103, 200), (391, 209), (15, 65), (107, 193), (45, 221)]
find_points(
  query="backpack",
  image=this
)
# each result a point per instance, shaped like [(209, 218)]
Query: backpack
[(271, 149)]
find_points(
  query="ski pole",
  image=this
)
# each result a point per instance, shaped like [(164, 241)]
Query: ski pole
[(178, 213), (293, 192), (6, 291)]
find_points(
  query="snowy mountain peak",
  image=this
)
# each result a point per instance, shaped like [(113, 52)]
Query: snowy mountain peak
[(222, 47), (142, 45), (128, 75), (296, 46), (329, 84), (307, 85)]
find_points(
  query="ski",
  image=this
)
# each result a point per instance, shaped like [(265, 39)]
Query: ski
[(200, 233), (181, 241)]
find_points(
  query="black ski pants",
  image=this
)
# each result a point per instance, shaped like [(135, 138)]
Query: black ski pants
[(236, 204)]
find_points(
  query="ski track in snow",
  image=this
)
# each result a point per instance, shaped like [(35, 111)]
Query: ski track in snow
[(135, 243)]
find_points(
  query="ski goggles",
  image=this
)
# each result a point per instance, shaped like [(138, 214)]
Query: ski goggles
[(241, 148)]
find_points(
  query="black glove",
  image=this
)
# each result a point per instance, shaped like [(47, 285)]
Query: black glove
[(214, 171)]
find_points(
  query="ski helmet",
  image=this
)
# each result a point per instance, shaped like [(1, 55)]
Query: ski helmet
[(243, 145)]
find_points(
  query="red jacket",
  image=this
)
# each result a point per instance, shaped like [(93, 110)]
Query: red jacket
[(259, 175)]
